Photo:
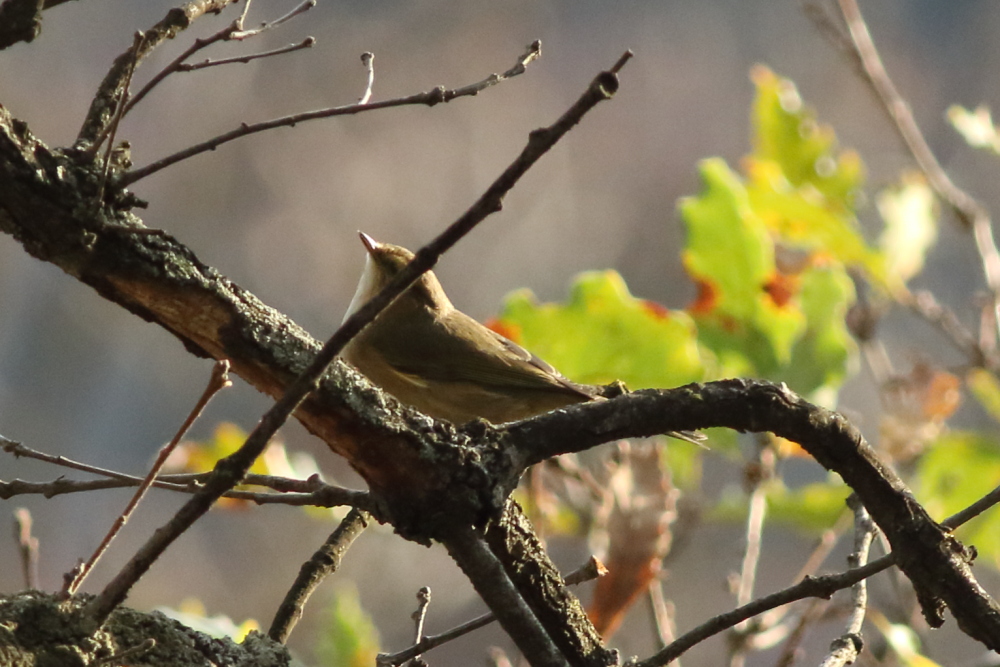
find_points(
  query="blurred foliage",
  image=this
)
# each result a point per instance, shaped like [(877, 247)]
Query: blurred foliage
[(192, 613), (976, 127), (958, 470), (775, 251), (350, 638), (197, 456)]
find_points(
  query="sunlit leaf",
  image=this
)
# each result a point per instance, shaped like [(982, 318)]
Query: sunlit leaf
[(910, 214), (603, 334), (803, 150), (782, 321), (800, 183), (976, 127), (730, 256)]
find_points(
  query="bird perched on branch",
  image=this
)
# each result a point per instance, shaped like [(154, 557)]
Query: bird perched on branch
[(430, 355)]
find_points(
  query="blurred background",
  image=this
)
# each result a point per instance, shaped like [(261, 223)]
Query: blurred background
[(278, 214)]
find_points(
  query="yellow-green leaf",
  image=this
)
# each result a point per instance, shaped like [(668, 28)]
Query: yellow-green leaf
[(603, 334), (730, 256)]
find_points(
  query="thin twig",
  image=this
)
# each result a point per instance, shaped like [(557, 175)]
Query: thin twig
[(116, 119), (419, 616), (845, 649), (218, 381), (662, 614), (299, 9), (243, 15), (970, 212), (324, 562), (306, 43), (101, 109), (231, 470), (924, 304), (234, 31), (27, 546), (368, 60), (818, 587), (295, 492), (429, 98), (592, 569), (320, 495), (469, 550), (973, 510), (759, 472)]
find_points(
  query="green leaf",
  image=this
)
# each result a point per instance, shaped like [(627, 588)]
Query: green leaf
[(603, 334), (799, 182), (350, 638), (758, 320), (825, 353), (730, 255), (804, 151), (961, 468)]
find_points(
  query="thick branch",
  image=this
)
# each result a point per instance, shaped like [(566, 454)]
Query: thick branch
[(936, 562), (514, 542)]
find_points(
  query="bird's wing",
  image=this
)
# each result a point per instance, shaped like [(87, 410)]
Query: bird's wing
[(495, 361)]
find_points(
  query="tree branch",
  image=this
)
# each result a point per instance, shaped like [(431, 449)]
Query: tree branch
[(936, 563), (429, 98)]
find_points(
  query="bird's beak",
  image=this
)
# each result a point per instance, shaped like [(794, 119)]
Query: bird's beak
[(371, 245)]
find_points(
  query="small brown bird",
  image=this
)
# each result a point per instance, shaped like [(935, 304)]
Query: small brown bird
[(430, 355)]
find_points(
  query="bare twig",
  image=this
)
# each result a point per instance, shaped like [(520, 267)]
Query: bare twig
[(27, 546), (298, 9), (429, 98), (817, 587), (101, 109), (306, 43), (368, 60), (219, 381), (924, 304), (973, 510), (243, 15), (112, 129), (295, 492), (662, 614), (592, 569), (845, 649), (230, 471), (322, 564), (234, 31), (970, 212), (423, 602), (758, 473)]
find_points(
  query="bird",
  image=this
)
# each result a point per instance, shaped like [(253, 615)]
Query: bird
[(432, 356)]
